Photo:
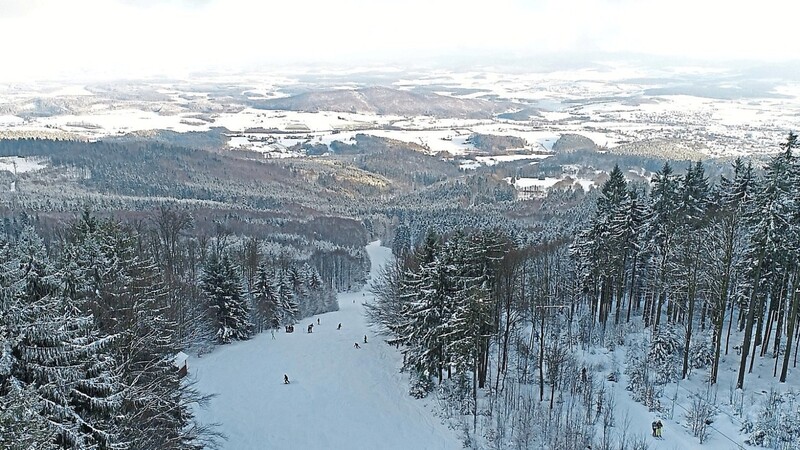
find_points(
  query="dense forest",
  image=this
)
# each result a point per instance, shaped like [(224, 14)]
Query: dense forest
[(673, 271)]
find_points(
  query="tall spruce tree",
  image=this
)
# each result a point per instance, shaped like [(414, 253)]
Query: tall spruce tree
[(694, 193), (661, 234), (265, 300), (227, 305), (724, 246)]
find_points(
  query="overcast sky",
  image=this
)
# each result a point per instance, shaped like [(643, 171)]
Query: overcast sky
[(50, 38)]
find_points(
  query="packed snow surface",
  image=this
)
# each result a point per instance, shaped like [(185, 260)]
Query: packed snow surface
[(22, 164), (339, 397)]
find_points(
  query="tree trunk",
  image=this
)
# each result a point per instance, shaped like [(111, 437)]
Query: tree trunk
[(748, 328), (541, 359), (790, 329), (730, 325)]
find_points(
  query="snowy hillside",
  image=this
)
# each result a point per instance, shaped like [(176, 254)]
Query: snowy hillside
[(340, 397)]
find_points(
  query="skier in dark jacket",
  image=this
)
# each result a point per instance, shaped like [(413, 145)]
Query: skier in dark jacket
[(285, 379), (655, 427)]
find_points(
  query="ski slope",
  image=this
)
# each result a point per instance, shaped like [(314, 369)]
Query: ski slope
[(340, 397)]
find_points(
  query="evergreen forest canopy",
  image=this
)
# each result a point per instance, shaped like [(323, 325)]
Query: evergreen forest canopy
[(182, 249)]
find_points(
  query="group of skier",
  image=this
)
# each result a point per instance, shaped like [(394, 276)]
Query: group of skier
[(657, 426), (290, 328)]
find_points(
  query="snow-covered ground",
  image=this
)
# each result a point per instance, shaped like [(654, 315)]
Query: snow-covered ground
[(603, 104), (340, 397), (676, 435), (21, 164)]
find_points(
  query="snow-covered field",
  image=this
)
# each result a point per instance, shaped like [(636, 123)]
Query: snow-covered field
[(19, 164), (611, 105), (340, 397)]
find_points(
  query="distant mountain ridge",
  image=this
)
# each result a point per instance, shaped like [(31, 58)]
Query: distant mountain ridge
[(384, 100)]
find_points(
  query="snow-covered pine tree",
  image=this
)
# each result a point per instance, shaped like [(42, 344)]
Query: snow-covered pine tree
[(772, 248), (265, 300), (287, 311), (694, 193), (724, 243), (401, 243), (426, 295), (60, 354), (661, 229), (21, 427), (322, 299), (227, 305), (627, 229), (665, 348), (295, 278)]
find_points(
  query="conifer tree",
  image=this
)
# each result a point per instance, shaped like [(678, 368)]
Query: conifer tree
[(287, 311), (265, 300), (661, 234), (226, 303), (694, 194), (60, 354), (771, 230), (724, 246)]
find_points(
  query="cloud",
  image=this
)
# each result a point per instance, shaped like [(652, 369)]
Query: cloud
[(181, 3), (146, 36)]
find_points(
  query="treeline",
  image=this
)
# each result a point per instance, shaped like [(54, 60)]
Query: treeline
[(92, 318), (691, 255)]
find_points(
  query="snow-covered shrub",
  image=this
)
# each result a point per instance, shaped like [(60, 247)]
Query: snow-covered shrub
[(777, 424), (699, 417), (613, 375), (701, 353), (665, 348), (638, 372), (421, 387), (615, 336), (457, 391), (637, 368)]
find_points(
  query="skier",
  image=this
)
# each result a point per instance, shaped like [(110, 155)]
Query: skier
[(285, 379), (659, 426), (339, 327), (365, 338), (317, 321), (356, 345), (584, 377), (655, 428), (311, 328)]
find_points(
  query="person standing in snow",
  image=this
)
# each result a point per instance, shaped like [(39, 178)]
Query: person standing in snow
[(285, 379), (317, 321), (356, 345), (659, 426), (339, 327), (365, 338), (655, 428)]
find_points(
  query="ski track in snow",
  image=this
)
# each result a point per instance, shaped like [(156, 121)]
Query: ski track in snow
[(340, 397)]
